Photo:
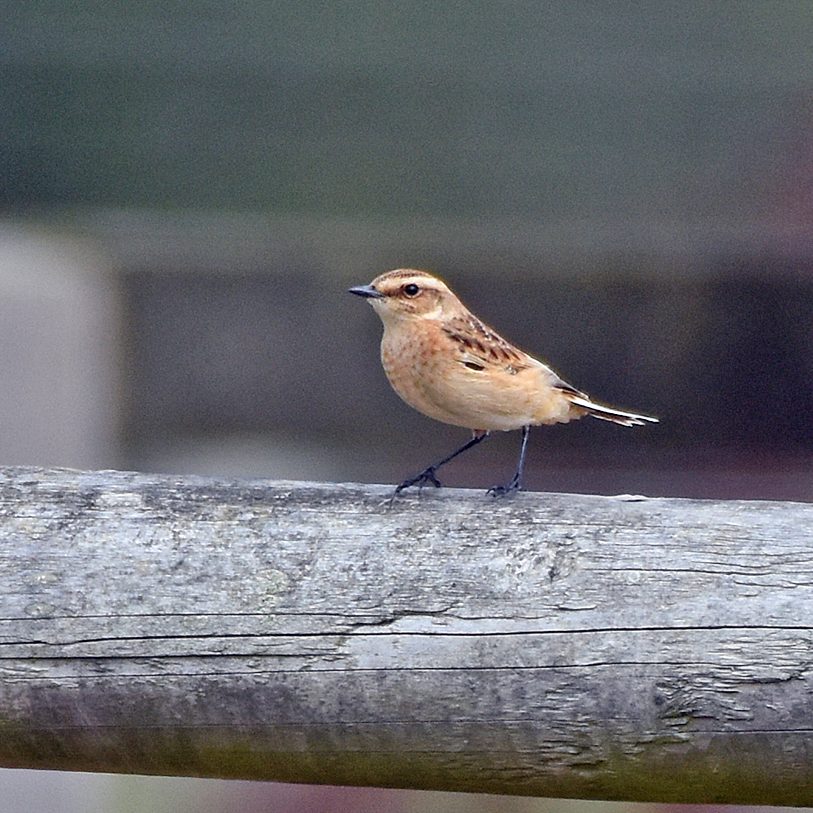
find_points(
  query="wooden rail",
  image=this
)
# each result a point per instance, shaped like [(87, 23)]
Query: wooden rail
[(552, 644)]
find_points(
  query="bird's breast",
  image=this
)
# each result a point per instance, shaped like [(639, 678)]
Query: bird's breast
[(414, 365)]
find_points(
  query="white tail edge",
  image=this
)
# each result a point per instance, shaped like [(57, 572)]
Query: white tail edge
[(605, 413)]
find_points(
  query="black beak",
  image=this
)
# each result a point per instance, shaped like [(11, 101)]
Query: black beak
[(367, 291)]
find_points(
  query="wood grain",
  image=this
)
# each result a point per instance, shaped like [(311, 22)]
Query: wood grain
[(553, 644)]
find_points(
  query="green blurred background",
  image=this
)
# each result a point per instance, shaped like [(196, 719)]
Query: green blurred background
[(186, 190)]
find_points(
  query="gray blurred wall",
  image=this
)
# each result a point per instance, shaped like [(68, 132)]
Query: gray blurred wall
[(60, 352)]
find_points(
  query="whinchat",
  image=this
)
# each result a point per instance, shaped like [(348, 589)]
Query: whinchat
[(444, 362)]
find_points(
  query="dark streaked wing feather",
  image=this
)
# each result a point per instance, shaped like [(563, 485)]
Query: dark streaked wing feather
[(567, 389), (480, 342)]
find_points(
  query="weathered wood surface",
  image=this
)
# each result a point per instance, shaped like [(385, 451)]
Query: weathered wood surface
[(553, 644)]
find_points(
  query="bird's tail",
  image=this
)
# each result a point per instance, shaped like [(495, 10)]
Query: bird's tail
[(605, 413)]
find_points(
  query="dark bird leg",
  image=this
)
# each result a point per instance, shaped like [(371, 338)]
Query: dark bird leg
[(428, 474), (515, 483)]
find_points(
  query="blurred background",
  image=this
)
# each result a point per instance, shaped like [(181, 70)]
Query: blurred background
[(187, 189)]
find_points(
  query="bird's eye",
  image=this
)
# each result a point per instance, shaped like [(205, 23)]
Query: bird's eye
[(412, 289)]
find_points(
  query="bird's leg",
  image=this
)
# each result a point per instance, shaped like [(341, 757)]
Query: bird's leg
[(428, 474), (515, 483)]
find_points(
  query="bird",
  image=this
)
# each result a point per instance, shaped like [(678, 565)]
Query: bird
[(449, 365)]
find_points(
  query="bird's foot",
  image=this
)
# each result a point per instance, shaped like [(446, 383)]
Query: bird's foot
[(515, 484), (426, 477)]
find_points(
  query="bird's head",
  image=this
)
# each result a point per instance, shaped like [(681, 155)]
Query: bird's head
[(409, 294)]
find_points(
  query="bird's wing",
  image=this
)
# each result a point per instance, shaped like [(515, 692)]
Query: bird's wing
[(480, 347)]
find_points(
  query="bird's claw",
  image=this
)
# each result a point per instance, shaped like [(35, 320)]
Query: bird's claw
[(508, 488), (426, 477)]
